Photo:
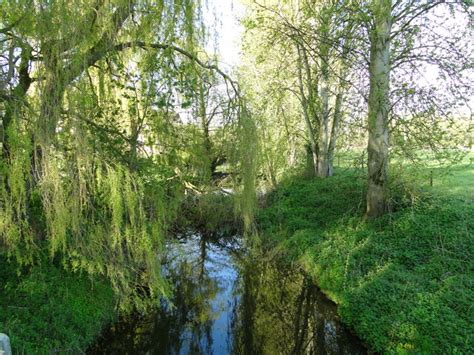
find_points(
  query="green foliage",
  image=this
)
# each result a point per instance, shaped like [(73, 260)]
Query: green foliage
[(209, 213), (13, 226), (46, 310), (402, 282), (94, 156), (247, 146)]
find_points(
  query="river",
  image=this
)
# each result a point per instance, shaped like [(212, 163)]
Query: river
[(228, 299)]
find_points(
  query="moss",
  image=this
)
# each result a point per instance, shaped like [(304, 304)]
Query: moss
[(403, 282)]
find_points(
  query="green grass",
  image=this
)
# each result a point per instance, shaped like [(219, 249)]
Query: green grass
[(457, 181), (404, 282), (47, 310)]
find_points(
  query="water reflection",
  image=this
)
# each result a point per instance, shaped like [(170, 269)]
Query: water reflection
[(228, 300)]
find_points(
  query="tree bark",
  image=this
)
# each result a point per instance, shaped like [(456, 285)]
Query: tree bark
[(378, 110), (313, 144), (323, 166), (335, 130), (205, 132), (291, 153)]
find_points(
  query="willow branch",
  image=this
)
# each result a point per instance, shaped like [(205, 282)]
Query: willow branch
[(182, 51)]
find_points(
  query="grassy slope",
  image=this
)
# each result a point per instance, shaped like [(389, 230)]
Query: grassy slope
[(403, 282), (49, 310)]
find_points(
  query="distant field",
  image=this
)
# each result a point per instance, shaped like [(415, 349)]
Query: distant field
[(457, 181), (440, 177)]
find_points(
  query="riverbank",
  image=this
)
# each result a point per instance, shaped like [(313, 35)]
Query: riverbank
[(402, 282), (47, 310)]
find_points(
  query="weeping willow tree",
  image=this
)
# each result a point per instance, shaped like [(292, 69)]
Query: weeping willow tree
[(93, 154)]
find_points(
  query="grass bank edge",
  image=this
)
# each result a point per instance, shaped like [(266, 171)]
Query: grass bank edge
[(401, 282)]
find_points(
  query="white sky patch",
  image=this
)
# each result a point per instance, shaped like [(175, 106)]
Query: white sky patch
[(222, 18), (222, 21)]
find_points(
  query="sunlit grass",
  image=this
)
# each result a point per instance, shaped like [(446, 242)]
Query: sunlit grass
[(402, 281), (457, 181), (443, 177)]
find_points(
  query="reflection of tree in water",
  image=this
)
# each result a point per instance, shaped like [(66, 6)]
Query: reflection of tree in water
[(188, 322), (181, 325), (282, 312), (274, 309)]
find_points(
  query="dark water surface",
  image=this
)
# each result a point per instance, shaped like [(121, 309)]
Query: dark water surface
[(229, 300)]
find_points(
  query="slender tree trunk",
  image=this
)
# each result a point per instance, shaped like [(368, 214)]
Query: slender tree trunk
[(312, 85), (323, 167), (272, 173), (291, 153), (335, 129), (291, 158), (313, 145), (205, 131), (323, 162), (378, 107)]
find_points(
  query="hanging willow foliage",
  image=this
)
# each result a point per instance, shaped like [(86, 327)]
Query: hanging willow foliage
[(71, 147), (94, 154), (14, 223), (247, 148)]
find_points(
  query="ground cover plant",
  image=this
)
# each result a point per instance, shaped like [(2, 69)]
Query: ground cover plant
[(403, 282)]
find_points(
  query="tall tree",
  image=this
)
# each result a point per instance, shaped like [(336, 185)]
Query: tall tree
[(378, 106)]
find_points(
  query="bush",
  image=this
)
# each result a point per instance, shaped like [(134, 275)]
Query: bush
[(208, 213)]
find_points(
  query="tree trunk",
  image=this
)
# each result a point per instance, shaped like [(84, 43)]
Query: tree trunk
[(335, 129), (323, 166), (323, 163), (210, 167), (291, 152), (313, 145), (378, 107)]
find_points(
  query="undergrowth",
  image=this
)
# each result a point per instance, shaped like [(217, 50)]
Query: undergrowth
[(208, 213), (402, 282), (45, 309)]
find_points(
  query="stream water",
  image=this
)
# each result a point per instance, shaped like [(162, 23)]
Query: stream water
[(229, 300)]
